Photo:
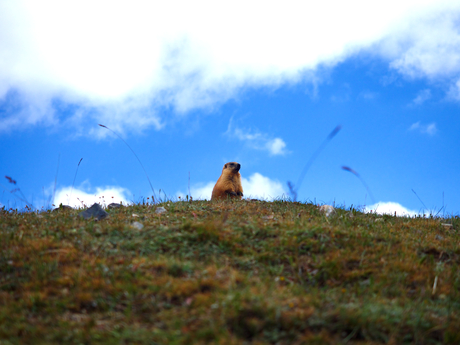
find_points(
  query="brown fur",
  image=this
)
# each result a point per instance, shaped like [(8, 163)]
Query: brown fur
[(229, 183)]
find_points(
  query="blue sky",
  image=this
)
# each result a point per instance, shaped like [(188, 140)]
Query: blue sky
[(190, 91)]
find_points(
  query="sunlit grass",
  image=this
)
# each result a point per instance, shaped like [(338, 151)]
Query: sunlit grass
[(228, 272)]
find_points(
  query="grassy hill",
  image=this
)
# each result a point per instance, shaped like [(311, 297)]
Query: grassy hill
[(228, 273)]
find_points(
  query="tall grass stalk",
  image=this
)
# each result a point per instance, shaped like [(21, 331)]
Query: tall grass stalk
[(134, 153), (55, 179), (295, 188), (73, 183), (426, 208), (361, 179)]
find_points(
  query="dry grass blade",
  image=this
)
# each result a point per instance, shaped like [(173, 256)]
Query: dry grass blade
[(73, 183), (10, 180), (13, 191), (134, 153), (361, 179), (426, 208), (55, 179), (295, 188)]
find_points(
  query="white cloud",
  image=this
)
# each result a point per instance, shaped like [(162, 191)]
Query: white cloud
[(112, 59), (262, 187), (80, 198), (257, 140), (256, 186), (201, 191), (427, 44), (454, 91), (422, 97), (429, 129), (276, 146), (390, 208)]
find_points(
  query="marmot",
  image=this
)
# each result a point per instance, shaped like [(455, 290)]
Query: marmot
[(229, 183)]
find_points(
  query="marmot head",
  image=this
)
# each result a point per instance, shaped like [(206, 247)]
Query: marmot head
[(234, 167)]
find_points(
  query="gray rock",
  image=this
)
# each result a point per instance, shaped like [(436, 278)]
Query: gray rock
[(327, 210), (137, 225), (94, 211), (160, 210), (114, 205)]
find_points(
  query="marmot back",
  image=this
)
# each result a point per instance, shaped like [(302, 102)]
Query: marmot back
[(229, 183)]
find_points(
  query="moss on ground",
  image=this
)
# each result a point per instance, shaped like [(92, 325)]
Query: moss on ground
[(228, 273)]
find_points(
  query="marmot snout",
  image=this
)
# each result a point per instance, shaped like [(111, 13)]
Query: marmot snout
[(234, 166), (229, 183)]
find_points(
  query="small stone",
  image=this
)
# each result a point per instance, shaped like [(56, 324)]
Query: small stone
[(439, 237), (137, 225), (160, 210), (114, 205), (365, 282), (328, 210), (94, 211), (447, 226)]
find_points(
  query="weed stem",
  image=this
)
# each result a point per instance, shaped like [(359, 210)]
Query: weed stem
[(295, 189), (134, 155)]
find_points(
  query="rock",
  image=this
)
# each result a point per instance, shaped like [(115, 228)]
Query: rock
[(328, 210), (114, 205), (137, 225), (94, 211), (160, 210), (439, 237), (447, 226)]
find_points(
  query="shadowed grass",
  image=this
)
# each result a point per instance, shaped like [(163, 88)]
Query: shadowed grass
[(228, 273)]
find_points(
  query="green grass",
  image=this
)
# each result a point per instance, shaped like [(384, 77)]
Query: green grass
[(228, 273)]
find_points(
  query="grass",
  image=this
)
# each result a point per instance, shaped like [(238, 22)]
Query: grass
[(228, 273)]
